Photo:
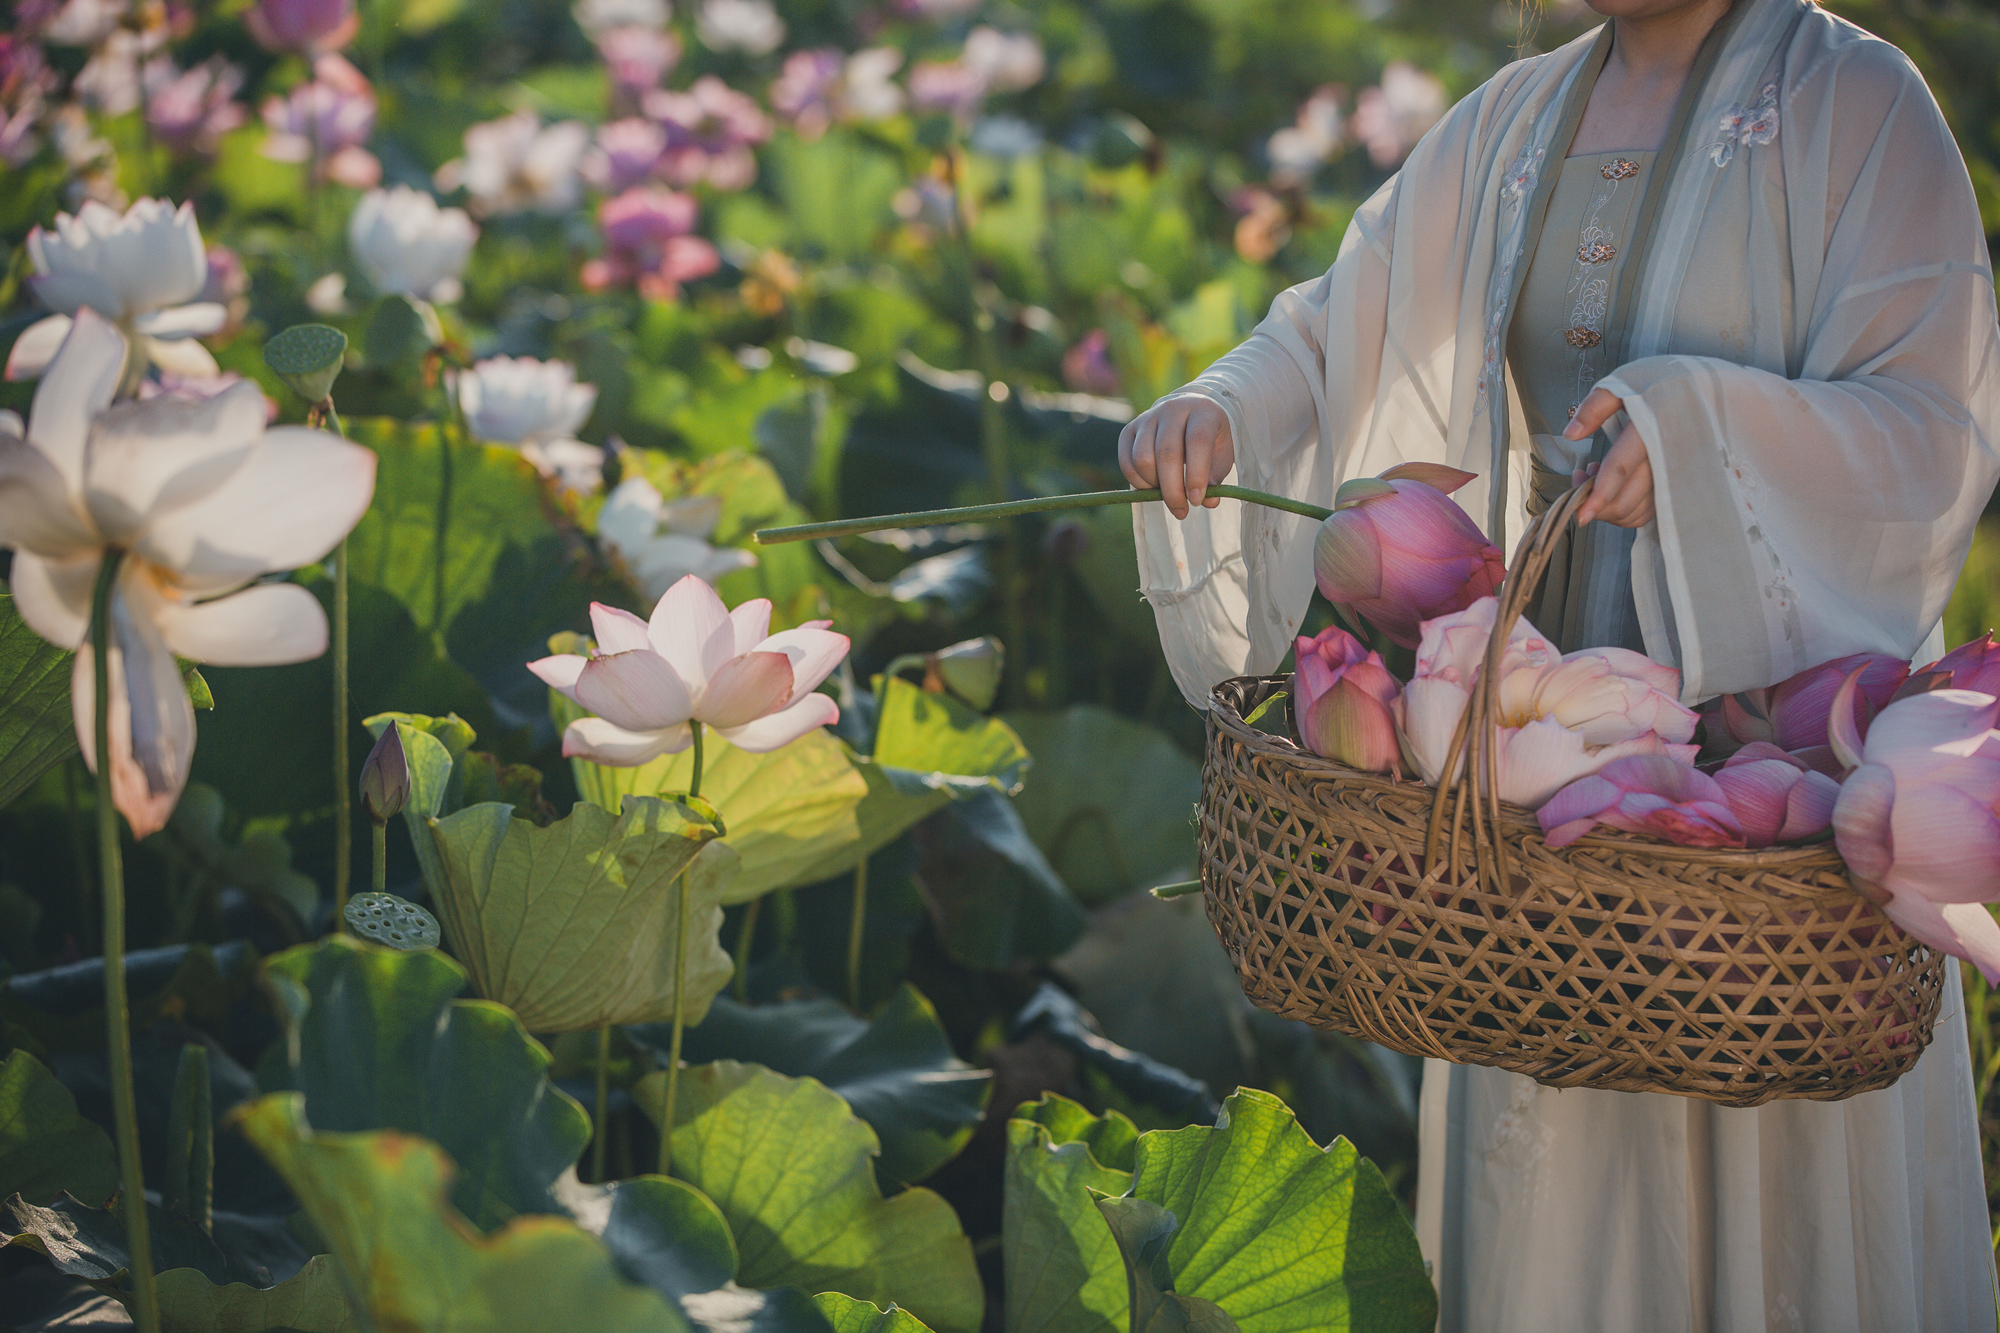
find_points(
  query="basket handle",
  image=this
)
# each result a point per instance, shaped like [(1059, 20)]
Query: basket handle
[(1472, 786)]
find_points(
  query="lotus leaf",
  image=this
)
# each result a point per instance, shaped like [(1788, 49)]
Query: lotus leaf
[(848, 1315), (36, 731), (1143, 1231), (46, 1146), (1063, 1269)]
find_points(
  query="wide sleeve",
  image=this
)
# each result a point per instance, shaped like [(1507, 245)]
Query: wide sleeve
[(1828, 509)]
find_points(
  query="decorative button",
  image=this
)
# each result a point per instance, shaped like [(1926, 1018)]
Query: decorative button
[(1620, 169), (1596, 252), (1582, 337)]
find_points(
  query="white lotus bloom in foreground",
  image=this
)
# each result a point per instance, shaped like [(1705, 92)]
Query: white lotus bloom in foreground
[(661, 542), (515, 164), (538, 407), (140, 269), (695, 661), (204, 501), (408, 246)]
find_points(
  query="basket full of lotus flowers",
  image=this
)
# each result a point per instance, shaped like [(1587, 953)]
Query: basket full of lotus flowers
[(1523, 858)]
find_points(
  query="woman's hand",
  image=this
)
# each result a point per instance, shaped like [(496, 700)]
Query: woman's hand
[(1624, 494), (1181, 445)]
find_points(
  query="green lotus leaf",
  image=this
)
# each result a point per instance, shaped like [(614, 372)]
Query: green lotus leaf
[(789, 813), (377, 1042), (573, 926), (1143, 1231), (1064, 1274), (312, 1300), (848, 1315), (995, 898), (791, 1168), (1282, 1234), (46, 1145), (382, 1201), (896, 1072), (36, 729), (1106, 838)]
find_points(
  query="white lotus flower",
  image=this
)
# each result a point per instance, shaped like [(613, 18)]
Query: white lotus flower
[(407, 245), (694, 661), (203, 501), (661, 543), (751, 26), (596, 16), (538, 407), (514, 164), (140, 269)]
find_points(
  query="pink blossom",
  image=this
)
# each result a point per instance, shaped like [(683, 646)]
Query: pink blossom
[(326, 122), (1918, 820), (1398, 551), (1777, 797), (1393, 116), (710, 130), (637, 59), (625, 154), (803, 93), (947, 85), (1344, 699), (303, 25), (1792, 714), (1646, 793), (1561, 718), (1087, 366), (190, 110), (1970, 666), (1319, 132), (647, 244)]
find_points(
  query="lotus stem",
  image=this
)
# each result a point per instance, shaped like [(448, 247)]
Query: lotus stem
[(603, 1123), (680, 987), (855, 925), (117, 1019), (343, 796), (848, 527), (381, 879)]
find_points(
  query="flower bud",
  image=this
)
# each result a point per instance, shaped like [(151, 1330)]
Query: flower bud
[(385, 778), (971, 670)]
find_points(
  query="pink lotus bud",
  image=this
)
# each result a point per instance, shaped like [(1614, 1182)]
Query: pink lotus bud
[(1344, 701), (1793, 714), (1918, 821), (1652, 794), (1970, 666), (1398, 551), (1775, 796), (303, 25)]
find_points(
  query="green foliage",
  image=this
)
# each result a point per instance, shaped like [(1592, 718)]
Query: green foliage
[(46, 1147), (896, 1072), (1143, 1231), (36, 731), (572, 926), (1063, 1272), (310, 1301), (790, 1167), (848, 1315)]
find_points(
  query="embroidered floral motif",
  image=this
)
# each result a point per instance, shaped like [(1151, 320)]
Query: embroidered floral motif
[(1746, 127), (1620, 169), (1589, 283), (1595, 252), (1582, 337), (1522, 176)]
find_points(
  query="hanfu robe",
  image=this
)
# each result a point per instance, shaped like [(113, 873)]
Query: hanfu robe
[(1804, 329)]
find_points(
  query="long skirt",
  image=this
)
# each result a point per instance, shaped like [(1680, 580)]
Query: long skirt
[(1550, 1210)]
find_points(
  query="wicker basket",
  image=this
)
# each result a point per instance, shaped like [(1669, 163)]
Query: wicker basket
[(1368, 906)]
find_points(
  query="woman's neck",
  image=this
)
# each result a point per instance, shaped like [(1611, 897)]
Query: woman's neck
[(1661, 45), (1653, 49)]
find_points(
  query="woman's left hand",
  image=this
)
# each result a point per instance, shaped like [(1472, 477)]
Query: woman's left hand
[(1624, 494)]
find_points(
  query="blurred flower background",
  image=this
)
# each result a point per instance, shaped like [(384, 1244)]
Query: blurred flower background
[(665, 273)]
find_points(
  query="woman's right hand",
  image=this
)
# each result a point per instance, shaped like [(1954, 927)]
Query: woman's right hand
[(1183, 446)]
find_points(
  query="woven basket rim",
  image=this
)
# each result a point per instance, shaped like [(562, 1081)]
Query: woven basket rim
[(1518, 819)]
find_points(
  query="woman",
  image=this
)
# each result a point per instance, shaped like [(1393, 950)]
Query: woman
[(1727, 256)]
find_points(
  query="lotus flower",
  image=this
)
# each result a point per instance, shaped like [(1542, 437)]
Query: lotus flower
[(647, 242), (1918, 820), (625, 154), (637, 59), (407, 245), (1792, 714), (662, 543), (1777, 797), (516, 164), (190, 110), (303, 25), (751, 26), (1644, 793), (204, 501), (142, 270), (595, 16), (1970, 666), (1391, 117), (696, 661), (1399, 552), (710, 130), (538, 407), (1561, 718), (1345, 701), (325, 122)]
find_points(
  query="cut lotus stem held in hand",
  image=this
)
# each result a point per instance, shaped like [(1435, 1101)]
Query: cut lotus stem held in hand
[(848, 527)]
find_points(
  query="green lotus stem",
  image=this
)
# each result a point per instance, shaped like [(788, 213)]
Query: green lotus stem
[(381, 880), (603, 1124), (854, 928), (343, 796), (848, 527), (1185, 889), (117, 1019), (680, 987)]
